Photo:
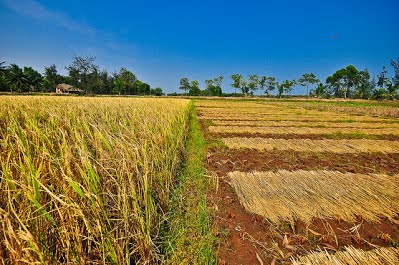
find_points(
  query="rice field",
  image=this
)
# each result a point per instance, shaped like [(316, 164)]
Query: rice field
[(334, 204), (291, 195), (87, 180)]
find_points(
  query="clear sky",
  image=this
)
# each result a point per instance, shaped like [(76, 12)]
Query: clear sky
[(162, 41)]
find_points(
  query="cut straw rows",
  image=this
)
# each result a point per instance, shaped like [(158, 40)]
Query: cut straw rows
[(286, 195), (307, 145), (366, 125), (351, 256), (300, 130), (302, 118)]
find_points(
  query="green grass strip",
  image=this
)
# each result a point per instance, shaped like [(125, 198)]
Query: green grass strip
[(187, 234)]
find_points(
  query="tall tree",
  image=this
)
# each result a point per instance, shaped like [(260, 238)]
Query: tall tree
[(395, 79), (51, 78), (308, 79), (253, 83), (33, 78), (262, 82), (285, 87), (16, 79), (237, 81), (271, 85), (214, 86), (80, 69), (124, 82), (194, 88), (184, 84)]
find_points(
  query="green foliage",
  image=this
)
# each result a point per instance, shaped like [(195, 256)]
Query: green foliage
[(308, 79), (214, 86), (79, 71), (184, 84)]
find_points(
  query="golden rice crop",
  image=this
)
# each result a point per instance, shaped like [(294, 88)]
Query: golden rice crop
[(366, 125), (300, 130), (291, 195), (351, 256), (306, 145), (86, 180)]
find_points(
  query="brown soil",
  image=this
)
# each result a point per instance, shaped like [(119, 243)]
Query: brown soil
[(225, 160), (245, 237), (388, 137)]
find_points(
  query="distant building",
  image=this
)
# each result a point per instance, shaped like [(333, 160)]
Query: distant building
[(67, 89)]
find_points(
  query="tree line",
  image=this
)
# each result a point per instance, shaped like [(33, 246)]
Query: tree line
[(348, 82), (83, 73)]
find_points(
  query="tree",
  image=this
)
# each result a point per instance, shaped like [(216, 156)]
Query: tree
[(16, 79), (141, 88), (33, 78), (124, 82), (184, 84), (80, 69), (194, 88), (3, 74), (365, 86), (237, 81), (395, 79), (343, 80), (157, 91), (253, 83), (319, 90), (271, 85), (214, 86), (51, 78), (262, 82), (285, 87), (308, 79)]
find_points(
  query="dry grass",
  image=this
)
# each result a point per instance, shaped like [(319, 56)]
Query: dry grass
[(300, 130), (351, 256), (86, 180), (291, 195), (341, 146), (301, 118), (366, 125), (380, 111)]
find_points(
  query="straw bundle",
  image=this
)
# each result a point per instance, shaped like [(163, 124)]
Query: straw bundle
[(341, 146), (300, 130), (291, 195), (368, 125), (351, 256)]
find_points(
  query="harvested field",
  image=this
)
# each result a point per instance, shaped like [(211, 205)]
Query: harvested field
[(300, 130), (307, 145), (368, 110), (223, 161), (291, 195), (299, 118), (367, 125), (351, 255)]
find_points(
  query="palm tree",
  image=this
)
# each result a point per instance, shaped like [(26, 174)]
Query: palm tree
[(15, 78)]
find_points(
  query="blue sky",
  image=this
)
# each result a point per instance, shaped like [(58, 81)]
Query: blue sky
[(162, 41)]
